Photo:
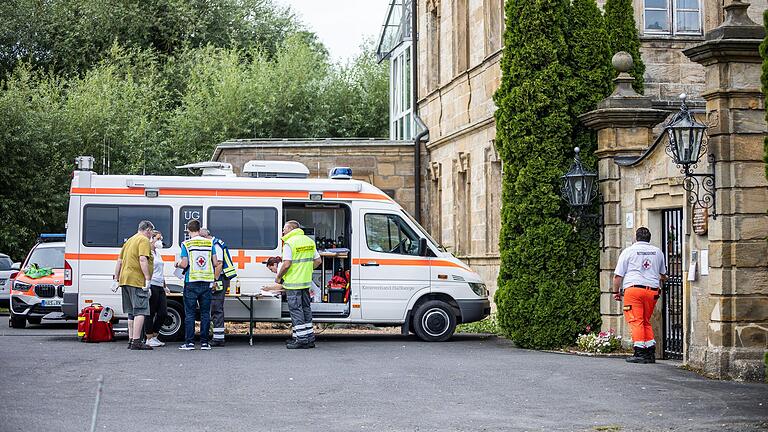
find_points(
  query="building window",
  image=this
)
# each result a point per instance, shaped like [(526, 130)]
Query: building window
[(433, 47), (494, 25), (400, 97), (460, 36), (462, 206), (678, 17)]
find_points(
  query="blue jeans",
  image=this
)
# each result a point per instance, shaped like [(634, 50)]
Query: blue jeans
[(195, 292)]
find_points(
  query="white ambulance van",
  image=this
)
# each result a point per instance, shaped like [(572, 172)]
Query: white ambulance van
[(397, 274)]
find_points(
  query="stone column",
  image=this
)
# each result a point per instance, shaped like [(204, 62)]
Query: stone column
[(624, 123), (733, 299)]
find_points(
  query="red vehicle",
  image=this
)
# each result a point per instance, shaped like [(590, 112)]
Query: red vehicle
[(33, 298)]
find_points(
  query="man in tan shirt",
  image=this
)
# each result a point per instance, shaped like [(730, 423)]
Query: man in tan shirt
[(134, 274)]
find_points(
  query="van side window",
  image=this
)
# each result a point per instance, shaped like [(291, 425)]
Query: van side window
[(112, 225), (389, 233), (245, 227)]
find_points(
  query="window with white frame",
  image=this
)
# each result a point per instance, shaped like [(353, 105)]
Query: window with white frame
[(401, 109), (672, 17)]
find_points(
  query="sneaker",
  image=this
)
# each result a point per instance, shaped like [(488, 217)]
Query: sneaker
[(130, 343), (140, 346), (187, 347), (297, 345), (205, 346), (155, 342), (217, 343)]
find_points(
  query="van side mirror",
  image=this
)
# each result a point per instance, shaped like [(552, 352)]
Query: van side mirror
[(16, 266), (423, 248)]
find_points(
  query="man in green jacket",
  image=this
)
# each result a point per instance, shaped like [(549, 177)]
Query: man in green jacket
[(300, 258)]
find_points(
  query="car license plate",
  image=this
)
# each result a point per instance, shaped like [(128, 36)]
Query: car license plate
[(50, 303)]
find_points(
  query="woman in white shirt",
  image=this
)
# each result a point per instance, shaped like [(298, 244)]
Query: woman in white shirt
[(158, 310)]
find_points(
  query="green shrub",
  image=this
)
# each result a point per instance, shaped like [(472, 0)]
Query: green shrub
[(623, 36), (486, 325), (547, 286)]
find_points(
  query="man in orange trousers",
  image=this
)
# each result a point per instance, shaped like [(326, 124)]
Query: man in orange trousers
[(639, 273)]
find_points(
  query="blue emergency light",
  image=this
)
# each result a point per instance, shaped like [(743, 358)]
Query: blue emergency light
[(340, 173), (51, 237)]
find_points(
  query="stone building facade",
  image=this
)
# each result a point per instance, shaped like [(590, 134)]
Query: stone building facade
[(714, 313), (458, 47), (386, 164)]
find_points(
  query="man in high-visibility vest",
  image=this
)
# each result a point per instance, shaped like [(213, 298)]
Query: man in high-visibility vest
[(220, 289), (300, 258), (203, 268)]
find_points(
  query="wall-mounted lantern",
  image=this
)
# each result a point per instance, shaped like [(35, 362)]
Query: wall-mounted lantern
[(686, 144), (579, 184), (579, 190)]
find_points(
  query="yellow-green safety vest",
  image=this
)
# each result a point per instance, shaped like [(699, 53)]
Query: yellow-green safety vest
[(200, 259), (299, 274), (228, 270)]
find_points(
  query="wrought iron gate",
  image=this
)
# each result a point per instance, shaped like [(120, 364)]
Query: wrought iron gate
[(672, 296)]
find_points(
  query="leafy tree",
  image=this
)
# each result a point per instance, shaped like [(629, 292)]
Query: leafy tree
[(72, 35), (147, 112), (623, 36), (546, 281)]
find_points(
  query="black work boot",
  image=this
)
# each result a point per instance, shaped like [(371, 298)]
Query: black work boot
[(650, 354), (296, 344), (638, 356)]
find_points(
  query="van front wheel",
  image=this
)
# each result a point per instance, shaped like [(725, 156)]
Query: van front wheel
[(173, 327), (434, 321)]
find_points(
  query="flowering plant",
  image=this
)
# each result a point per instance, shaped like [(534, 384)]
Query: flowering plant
[(603, 342)]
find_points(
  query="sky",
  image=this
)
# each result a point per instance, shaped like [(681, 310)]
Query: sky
[(341, 25)]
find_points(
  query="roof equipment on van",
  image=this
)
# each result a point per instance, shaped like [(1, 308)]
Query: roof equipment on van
[(315, 196), (211, 168), (340, 173), (275, 169), (84, 163)]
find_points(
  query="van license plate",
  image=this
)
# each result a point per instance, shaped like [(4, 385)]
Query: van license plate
[(51, 303)]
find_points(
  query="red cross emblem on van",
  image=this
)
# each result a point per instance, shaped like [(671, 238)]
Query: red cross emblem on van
[(201, 261)]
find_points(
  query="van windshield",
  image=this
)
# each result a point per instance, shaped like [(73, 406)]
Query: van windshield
[(51, 257), (424, 232)]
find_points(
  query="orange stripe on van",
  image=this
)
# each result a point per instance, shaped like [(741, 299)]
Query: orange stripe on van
[(105, 257), (232, 193), (407, 262), (107, 191), (90, 257)]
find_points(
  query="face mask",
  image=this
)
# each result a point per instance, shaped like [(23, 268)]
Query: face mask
[(159, 244)]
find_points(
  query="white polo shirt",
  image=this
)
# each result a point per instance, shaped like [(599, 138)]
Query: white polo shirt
[(641, 264)]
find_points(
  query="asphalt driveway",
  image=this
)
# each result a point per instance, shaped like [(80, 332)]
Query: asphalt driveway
[(374, 382)]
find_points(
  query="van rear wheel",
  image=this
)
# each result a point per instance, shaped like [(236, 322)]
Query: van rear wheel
[(434, 321), (173, 327)]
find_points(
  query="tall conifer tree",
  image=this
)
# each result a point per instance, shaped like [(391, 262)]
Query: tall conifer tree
[(623, 36), (538, 299)]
